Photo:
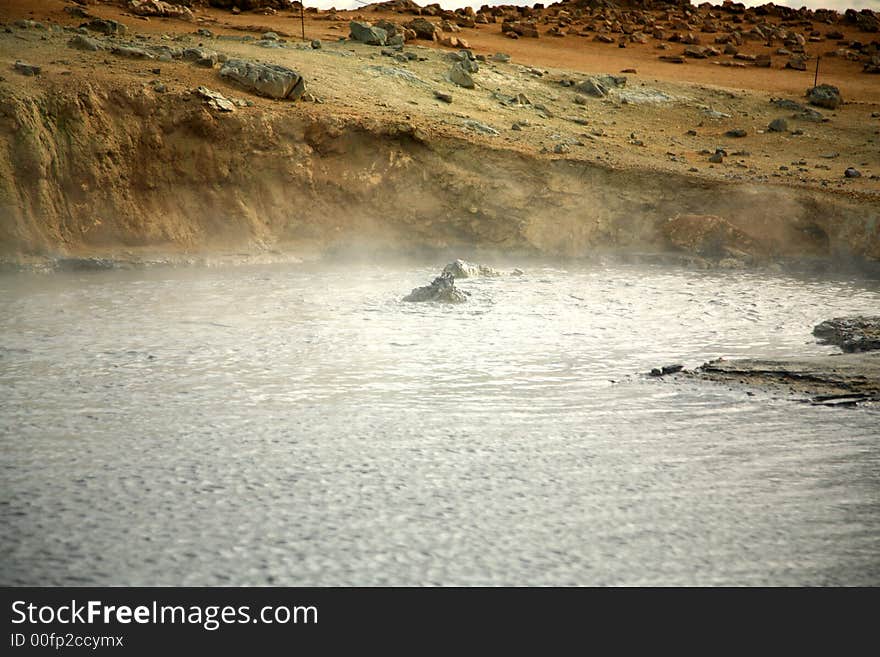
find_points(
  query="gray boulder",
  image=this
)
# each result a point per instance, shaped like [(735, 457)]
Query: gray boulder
[(459, 75), (365, 33), (825, 95), (463, 269), (107, 26), (441, 289), (27, 69), (82, 42), (851, 334), (271, 80)]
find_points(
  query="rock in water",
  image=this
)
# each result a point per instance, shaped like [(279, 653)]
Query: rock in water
[(441, 289), (851, 334), (825, 95), (462, 269), (269, 80), (365, 33)]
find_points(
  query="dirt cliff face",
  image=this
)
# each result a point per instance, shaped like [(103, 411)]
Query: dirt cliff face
[(88, 169)]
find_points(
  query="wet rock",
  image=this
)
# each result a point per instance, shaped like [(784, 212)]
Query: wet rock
[(852, 172), (463, 269), (666, 369), (824, 95), (778, 125), (26, 69), (442, 289), (365, 33), (271, 80), (851, 334)]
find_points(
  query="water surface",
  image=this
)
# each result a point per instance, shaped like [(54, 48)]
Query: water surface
[(300, 425)]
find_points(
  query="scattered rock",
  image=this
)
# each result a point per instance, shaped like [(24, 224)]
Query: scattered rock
[(271, 80), (736, 133), (824, 95), (365, 33), (445, 97), (82, 42), (852, 172), (105, 26), (851, 334), (215, 100), (459, 75), (442, 289), (26, 69), (778, 125), (316, 44)]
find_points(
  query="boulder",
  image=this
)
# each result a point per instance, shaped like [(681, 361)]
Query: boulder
[(82, 42), (442, 289), (824, 95), (708, 236), (423, 28), (462, 269), (107, 26), (365, 33), (459, 75), (270, 80), (851, 334)]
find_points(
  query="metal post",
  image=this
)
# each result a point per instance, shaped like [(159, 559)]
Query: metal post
[(816, 79), (302, 17)]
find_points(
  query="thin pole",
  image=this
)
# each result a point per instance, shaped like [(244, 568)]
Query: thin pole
[(302, 18), (816, 79)]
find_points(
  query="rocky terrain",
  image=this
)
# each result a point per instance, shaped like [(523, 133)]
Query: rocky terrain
[(142, 130)]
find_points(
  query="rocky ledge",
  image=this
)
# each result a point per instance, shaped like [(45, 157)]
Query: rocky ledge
[(847, 379)]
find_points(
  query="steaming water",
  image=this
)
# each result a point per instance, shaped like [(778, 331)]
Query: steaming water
[(301, 425)]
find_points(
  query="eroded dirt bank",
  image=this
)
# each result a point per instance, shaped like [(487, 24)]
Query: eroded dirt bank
[(90, 170)]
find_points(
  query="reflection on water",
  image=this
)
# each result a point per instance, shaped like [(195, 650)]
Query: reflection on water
[(301, 425)]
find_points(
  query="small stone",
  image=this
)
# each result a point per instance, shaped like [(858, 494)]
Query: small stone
[(778, 125), (445, 97), (26, 69), (852, 172), (316, 44), (735, 133), (716, 158)]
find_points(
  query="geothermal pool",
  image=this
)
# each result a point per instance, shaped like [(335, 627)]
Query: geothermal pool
[(300, 425)]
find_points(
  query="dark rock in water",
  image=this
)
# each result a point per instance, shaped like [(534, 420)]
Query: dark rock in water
[(825, 95), (462, 269), (270, 80), (666, 369), (441, 289), (851, 334)]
